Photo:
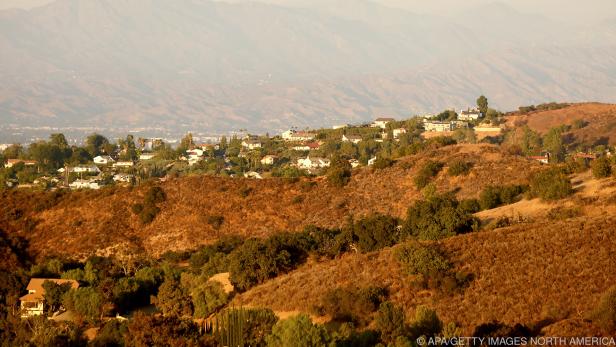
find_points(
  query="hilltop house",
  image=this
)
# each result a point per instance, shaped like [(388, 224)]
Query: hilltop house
[(543, 159), (103, 160), (253, 174), (312, 163), (292, 135), (251, 144), (307, 146), (33, 303), (381, 122), (12, 162), (351, 138), (340, 126), (124, 164), (269, 159), (147, 156), (121, 177), (89, 169), (469, 115), (85, 184), (397, 132), (437, 126)]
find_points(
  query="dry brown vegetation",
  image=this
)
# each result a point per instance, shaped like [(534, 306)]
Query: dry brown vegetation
[(82, 223), (523, 274), (601, 118)]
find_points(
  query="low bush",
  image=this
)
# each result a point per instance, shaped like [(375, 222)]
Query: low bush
[(417, 259), (148, 210), (493, 196), (601, 168), (382, 163), (459, 167), (427, 172), (375, 232), (438, 217), (352, 304), (551, 184)]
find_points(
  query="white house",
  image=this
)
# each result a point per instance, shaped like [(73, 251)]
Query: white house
[(84, 184), (307, 146), (371, 161), (33, 303), (147, 156), (103, 160), (91, 169), (469, 115), (287, 134), (312, 163), (382, 122), (253, 174), (251, 144), (196, 152), (459, 124), (269, 159), (437, 126), (124, 164), (398, 132), (354, 163), (292, 135), (543, 159), (340, 126), (351, 138), (123, 178), (12, 162)]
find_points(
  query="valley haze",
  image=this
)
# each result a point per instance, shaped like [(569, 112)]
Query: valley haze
[(215, 67)]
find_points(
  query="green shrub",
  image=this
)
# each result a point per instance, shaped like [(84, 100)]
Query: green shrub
[(438, 217), (298, 331), (382, 163), (352, 304), (208, 298), (87, 302), (426, 322), (492, 196), (551, 184), (148, 210), (427, 172), (417, 259), (459, 167), (257, 260), (469, 206), (601, 168), (244, 327), (390, 322), (375, 232)]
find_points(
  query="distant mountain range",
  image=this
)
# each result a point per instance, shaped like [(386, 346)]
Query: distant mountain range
[(216, 66)]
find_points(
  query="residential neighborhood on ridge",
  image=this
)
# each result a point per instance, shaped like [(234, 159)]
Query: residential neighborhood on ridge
[(293, 153)]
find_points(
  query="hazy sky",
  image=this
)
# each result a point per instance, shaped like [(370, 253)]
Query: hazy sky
[(578, 11)]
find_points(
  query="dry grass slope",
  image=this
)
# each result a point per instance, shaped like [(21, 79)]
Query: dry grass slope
[(89, 222), (525, 273)]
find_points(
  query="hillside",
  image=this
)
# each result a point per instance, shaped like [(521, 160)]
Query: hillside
[(543, 272), (89, 222), (601, 118)]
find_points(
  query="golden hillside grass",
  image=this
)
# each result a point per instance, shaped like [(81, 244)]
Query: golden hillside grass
[(601, 118), (89, 222), (523, 274)]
